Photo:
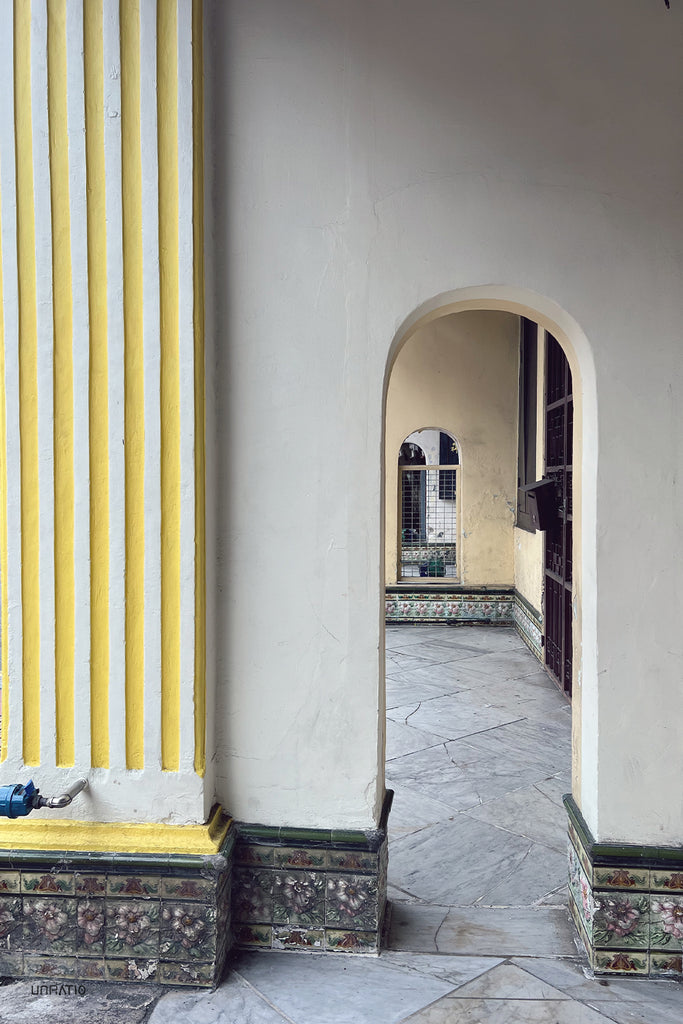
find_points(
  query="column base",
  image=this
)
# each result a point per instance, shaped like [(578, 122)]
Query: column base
[(626, 902), (155, 917), (311, 889)]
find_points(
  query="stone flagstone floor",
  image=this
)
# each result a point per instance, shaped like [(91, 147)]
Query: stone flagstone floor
[(478, 755)]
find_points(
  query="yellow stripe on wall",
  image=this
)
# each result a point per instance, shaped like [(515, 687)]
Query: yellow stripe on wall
[(4, 607), (99, 382), (167, 121), (134, 403), (28, 386), (200, 421), (63, 383)]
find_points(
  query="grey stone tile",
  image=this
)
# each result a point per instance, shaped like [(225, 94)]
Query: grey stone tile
[(412, 811), (455, 863), (453, 716), (482, 931), (509, 982), (457, 969), (407, 687), (338, 989), (528, 812), (101, 1004), (405, 739), (570, 976), (643, 1012), (506, 1011), (233, 1003), (541, 872)]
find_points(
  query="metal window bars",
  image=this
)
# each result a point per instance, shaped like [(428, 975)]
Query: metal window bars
[(428, 521)]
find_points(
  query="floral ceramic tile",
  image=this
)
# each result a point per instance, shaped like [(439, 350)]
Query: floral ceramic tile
[(666, 964), (202, 975), (351, 942), (666, 881), (349, 860), (621, 878), (11, 964), (297, 857), (90, 885), (133, 886), (90, 927), (10, 881), (621, 919), (187, 930), (187, 888), (11, 919), (131, 970), (49, 924), (90, 969), (351, 902), (248, 853), (253, 896), (47, 882), (299, 898), (620, 962), (50, 966), (253, 935), (666, 922), (132, 928), (298, 938)]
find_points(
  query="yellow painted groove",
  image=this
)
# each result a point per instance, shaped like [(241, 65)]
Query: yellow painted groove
[(28, 386), (115, 837), (98, 398), (134, 392), (199, 400), (4, 606), (167, 128), (63, 383)]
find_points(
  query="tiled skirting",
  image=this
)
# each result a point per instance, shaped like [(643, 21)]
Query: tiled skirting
[(449, 604), (453, 604), (115, 917), (529, 625), (627, 903), (310, 889)]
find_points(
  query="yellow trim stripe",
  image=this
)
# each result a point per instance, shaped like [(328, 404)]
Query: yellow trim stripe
[(28, 386), (63, 383), (200, 413), (99, 382), (4, 604), (117, 837), (134, 392), (167, 127)]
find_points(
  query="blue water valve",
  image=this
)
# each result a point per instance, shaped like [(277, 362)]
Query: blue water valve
[(18, 801)]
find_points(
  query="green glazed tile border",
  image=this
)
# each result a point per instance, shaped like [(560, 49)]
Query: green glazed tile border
[(666, 881), (666, 964), (606, 854), (620, 962), (632, 879), (340, 941)]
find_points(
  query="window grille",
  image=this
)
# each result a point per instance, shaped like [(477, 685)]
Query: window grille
[(429, 522)]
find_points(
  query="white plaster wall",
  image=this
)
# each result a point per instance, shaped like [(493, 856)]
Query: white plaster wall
[(367, 157), (461, 372)]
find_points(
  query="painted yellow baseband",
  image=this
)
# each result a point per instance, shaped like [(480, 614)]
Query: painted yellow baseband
[(114, 837)]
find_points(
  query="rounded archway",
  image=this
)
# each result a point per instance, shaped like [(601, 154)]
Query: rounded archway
[(558, 323)]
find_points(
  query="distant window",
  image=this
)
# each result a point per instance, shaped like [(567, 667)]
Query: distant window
[(526, 454), (448, 456)]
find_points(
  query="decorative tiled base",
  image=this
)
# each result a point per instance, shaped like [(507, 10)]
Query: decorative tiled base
[(454, 604), (449, 604), (529, 625), (310, 889), (626, 902), (116, 917)]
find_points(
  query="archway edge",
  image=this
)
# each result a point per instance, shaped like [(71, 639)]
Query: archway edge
[(566, 329)]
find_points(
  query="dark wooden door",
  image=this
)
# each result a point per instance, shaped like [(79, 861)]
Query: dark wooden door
[(559, 424)]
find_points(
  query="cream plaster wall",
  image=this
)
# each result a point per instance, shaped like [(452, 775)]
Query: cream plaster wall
[(460, 373), (371, 162)]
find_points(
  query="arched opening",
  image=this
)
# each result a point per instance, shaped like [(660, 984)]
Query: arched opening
[(427, 543), (486, 497)]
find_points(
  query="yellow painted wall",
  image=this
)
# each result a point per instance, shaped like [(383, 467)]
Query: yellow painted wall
[(460, 374)]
